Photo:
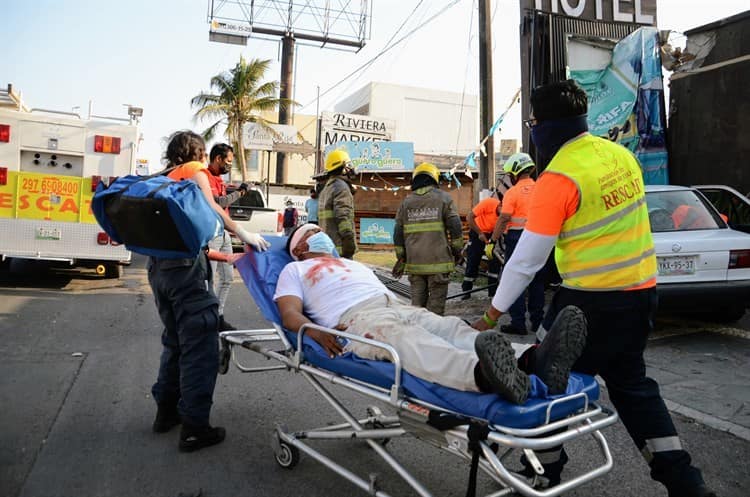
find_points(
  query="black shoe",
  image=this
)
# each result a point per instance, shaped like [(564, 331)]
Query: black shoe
[(560, 349), (466, 287), (498, 365), (552, 470), (512, 330), (197, 437), (167, 418), (224, 325)]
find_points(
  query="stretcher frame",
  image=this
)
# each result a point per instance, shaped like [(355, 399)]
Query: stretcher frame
[(411, 420)]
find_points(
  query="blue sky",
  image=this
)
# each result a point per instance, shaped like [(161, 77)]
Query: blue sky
[(155, 54)]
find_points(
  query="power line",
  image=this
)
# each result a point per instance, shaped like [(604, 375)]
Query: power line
[(385, 50)]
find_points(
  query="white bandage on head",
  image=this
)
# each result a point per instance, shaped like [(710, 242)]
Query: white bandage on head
[(297, 236)]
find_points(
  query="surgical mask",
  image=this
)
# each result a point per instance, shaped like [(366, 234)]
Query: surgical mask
[(225, 168), (320, 243), (550, 135)]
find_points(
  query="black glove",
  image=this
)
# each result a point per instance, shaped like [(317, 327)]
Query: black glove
[(348, 246), (244, 188), (398, 268)]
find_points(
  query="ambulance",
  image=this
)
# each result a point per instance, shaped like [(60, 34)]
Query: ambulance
[(50, 165)]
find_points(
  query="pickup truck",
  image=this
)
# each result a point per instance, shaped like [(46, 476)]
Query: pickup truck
[(251, 212)]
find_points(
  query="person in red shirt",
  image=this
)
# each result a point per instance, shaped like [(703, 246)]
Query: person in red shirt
[(481, 221), (221, 158)]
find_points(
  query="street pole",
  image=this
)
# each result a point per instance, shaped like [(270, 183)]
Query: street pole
[(486, 115), (285, 91), (318, 163)]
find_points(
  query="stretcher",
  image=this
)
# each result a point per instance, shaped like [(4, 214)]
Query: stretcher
[(482, 429)]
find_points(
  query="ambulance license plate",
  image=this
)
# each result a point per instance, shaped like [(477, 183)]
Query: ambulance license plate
[(676, 265), (48, 234)]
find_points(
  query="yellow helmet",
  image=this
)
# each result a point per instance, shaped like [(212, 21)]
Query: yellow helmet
[(336, 159), (518, 163), (430, 170)]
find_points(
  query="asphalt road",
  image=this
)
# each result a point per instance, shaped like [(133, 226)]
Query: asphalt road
[(80, 354)]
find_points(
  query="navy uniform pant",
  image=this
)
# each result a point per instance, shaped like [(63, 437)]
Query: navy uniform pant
[(474, 253), (188, 309), (619, 324), (535, 291)]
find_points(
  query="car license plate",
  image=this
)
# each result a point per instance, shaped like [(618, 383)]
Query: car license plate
[(676, 265), (48, 234)]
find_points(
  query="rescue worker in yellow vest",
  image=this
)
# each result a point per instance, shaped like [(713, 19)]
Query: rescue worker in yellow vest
[(427, 238), (589, 205), (336, 203), (510, 225)]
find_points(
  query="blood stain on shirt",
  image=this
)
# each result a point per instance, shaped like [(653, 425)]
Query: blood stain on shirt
[(315, 273)]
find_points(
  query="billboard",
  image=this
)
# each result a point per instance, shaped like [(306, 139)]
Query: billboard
[(257, 137), (378, 156), (626, 101)]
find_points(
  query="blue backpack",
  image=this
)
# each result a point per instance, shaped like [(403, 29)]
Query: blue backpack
[(156, 215)]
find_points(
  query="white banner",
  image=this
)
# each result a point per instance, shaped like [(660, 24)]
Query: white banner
[(257, 137)]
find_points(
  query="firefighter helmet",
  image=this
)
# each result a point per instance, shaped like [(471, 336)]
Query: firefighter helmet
[(518, 163), (336, 159), (430, 170)]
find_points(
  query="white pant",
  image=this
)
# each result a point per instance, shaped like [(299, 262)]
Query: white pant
[(223, 272), (435, 348)]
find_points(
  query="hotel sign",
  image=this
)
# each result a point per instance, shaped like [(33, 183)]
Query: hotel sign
[(631, 11)]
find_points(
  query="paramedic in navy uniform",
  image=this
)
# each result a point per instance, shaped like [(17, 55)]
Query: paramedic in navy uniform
[(188, 308)]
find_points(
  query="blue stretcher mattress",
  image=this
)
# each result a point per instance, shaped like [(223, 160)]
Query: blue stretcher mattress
[(260, 271)]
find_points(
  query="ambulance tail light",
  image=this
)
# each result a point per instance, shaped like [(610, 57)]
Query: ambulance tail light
[(102, 238), (95, 180), (739, 259), (279, 221), (3, 176), (4, 133), (107, 144)]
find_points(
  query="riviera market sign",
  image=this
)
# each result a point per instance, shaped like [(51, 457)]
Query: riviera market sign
[(339, 126)]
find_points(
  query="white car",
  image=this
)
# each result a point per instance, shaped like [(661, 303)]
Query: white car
[(703, 264)]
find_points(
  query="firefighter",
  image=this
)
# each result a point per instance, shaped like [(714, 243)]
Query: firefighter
[(590, 206), (519, 167), (481, 220), (427, 238), (336, 203)]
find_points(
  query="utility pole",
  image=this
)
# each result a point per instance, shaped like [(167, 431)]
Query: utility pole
[(285, 91), (486, 115)]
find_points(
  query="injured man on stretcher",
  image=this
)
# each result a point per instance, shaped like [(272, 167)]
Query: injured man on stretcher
[(339, 293)]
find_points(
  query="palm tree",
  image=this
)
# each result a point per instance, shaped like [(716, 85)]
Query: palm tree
[(240, 97)]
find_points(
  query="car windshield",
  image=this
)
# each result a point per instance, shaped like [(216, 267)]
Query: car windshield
[(680, 210)]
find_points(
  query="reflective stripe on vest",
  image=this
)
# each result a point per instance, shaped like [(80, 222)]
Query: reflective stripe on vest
[(325, 214), (433, 268), (607, 243), (424, 227)]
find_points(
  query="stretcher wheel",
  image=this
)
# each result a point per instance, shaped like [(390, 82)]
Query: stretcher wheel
[(287, 456)]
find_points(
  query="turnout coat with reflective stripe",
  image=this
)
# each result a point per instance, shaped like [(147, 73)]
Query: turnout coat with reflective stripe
[(607, 243), (423, 222), (336, 209)]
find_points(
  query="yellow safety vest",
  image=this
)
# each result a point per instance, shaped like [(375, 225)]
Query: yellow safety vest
[(607, 243)]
